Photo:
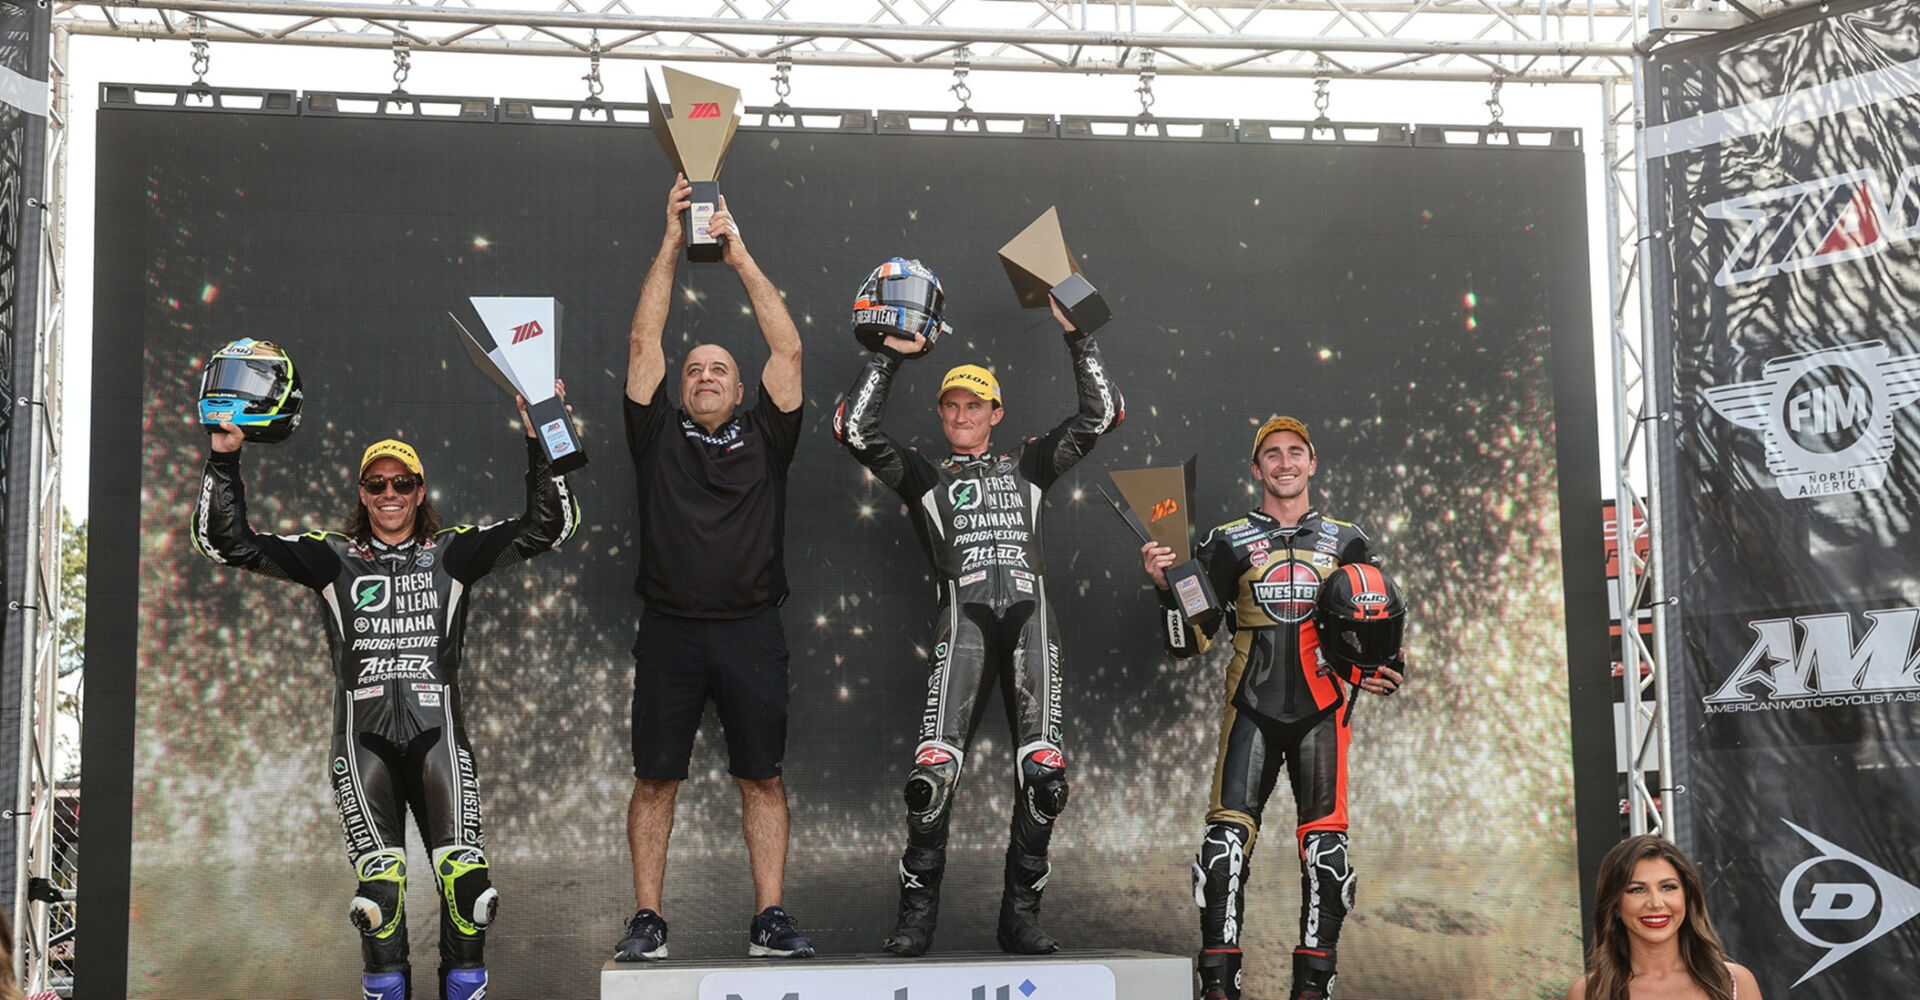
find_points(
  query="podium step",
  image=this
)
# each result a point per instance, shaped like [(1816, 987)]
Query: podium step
[(1068, 975)]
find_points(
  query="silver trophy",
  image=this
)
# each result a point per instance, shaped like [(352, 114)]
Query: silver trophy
[(516, 347)]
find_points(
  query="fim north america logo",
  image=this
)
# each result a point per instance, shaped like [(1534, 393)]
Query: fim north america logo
[(1825, 417)]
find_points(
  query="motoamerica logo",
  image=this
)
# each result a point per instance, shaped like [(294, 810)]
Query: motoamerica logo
[(1817, 223), (1828, 891), (1811, 661), (1825, 417)]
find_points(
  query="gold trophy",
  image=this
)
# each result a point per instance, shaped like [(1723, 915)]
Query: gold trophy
[(694, 129), (1041, 267), (1157, 509)]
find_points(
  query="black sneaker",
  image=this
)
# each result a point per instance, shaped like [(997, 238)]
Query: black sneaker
[(772, 934), (646, 939)]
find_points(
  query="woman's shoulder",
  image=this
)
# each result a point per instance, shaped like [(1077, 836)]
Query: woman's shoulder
[(1745, 986), (1578, 991)]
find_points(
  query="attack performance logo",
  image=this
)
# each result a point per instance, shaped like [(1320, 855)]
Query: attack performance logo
[(1840, 902), (1826, 417), (1817, 223)]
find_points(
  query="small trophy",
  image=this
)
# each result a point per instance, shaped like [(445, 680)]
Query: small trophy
[(1157, 504), (694, 129), (522, 338), (1041, 267)]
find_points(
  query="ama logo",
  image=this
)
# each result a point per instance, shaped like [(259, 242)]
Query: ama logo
[(1841, 902), (1812, 661), (1826, 417), (1816, 223)]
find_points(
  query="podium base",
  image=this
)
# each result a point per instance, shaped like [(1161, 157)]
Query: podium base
[(980, 975)]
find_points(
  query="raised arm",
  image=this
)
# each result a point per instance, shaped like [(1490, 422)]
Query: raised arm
[(219, 528), (646, 361), (781, 377), (551, 517), (857, 423), (1100, 410)]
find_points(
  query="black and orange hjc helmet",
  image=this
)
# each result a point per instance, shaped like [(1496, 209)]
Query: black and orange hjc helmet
[(1361, 615)]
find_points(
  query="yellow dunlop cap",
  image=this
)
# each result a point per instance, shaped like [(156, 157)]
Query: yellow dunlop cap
[(1274, 424), (974, 379), (390, 448)]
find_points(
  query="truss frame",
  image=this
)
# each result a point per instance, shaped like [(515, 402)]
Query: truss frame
[(1587, 42)]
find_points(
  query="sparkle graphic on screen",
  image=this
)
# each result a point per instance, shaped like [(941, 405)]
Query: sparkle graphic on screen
[(482, 243), (1326, 353), (209, 293)]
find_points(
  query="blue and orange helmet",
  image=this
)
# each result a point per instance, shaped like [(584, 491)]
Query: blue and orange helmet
[(900, 298)]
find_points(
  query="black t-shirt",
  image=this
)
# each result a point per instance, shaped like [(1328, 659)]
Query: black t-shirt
[(713, 507)]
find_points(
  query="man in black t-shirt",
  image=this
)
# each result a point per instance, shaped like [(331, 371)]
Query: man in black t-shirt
[(713, 496)]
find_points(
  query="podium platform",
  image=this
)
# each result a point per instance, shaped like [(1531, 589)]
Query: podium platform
[(981, 975)]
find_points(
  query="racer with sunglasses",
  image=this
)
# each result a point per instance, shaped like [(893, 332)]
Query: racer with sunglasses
[(393, 591)]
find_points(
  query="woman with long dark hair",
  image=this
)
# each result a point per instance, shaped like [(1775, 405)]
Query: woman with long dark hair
[(1652, 938)]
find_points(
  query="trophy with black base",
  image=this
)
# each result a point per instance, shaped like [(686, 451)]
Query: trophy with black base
[(694, 128), (1041, 268), (518, 340), (1158, 501)]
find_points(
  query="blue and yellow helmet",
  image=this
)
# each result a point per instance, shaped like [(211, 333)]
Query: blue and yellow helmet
[(253, 384)]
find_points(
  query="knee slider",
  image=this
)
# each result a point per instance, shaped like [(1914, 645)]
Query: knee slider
[(1324, 855), (1043, 782), (465, 889), (380, 899), (1222, 860), (929, 791), (1220, 871)]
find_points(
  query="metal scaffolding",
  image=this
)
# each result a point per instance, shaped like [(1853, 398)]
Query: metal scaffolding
[(1534, 41), (1589, 42)]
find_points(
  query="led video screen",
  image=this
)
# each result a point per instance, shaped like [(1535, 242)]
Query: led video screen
[(1423, 308)]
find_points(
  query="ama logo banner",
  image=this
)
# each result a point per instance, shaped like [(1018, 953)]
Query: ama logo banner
[(1784, 273)]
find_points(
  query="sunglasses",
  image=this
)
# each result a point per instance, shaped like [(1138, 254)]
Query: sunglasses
[(403, 485)]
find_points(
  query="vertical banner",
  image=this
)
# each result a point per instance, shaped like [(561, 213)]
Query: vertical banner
[(25, 31), (1784, 192)]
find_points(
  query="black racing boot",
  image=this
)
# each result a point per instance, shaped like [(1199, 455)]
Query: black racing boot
[(920, 871), (1312, 974), (1019, 932), (1219, 970)]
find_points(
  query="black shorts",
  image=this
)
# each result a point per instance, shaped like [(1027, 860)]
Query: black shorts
[(679, 663)]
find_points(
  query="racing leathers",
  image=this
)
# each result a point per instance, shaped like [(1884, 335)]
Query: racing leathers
[(978, 519), (1285, 702), (395, 616)]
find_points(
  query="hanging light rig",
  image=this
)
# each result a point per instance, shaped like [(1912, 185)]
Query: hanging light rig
[(1145, 89), (962, 61)]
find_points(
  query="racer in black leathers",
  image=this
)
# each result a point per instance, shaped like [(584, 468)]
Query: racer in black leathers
[(1287, 703), (395, 616), (978, 518)]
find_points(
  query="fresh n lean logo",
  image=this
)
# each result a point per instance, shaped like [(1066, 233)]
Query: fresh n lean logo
[(1826, 416), (372, 593), (1829, 901), (1811, 661), (1816, 223)]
